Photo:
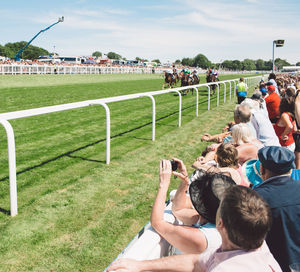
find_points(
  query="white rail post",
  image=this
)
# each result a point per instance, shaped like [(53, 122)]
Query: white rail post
[(218, 94), (208, 101), (229, 90), (179, 114), (197, 100), (153, 115), (107, 133), (107, 112), (224, 91), (234, 91), (12, 167)]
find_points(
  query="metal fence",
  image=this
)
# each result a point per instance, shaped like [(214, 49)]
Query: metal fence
[(33, 69), (17, 69)]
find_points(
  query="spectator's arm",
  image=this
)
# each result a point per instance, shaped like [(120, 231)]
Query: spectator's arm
[(182, 207), (181, 204), (215, 138), (180, 263), (186, 239)]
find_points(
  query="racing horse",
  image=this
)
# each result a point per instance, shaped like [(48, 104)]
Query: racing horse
[(176, 76), (212, 78), (170, 80), (196, 79), (186, 80)]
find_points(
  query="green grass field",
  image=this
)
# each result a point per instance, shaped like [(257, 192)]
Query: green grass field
[(75, 212)]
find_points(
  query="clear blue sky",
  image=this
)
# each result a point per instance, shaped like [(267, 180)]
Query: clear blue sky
[(163, 29)]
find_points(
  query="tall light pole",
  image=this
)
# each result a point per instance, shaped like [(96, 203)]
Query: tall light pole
[(278, 43)]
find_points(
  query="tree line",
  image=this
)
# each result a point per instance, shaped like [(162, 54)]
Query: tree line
[(203, 62), (33, 52), (9, 50), (247, 64)]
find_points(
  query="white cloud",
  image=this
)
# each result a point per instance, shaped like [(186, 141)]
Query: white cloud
[(89, 13), (118, 11)]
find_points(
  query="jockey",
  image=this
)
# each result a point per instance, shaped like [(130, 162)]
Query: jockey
[(216, 73), (195, 73), (169, 72), (190, 74), (187, 71)]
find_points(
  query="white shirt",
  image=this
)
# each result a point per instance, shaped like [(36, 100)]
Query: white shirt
[(264, 129)]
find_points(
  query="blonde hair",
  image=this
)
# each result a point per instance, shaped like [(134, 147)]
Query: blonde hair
[(241, 134)]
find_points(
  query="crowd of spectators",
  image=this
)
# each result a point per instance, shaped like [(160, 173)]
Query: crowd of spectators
[(51, 63), (240, 209)]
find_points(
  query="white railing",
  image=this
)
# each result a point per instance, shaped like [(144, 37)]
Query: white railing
[(20, 69), (5, 117), (28, 69)]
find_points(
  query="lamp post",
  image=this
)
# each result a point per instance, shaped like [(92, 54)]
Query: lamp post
[(278, 43)]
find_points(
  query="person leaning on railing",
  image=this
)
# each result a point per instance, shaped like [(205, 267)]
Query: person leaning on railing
[(222, 158)]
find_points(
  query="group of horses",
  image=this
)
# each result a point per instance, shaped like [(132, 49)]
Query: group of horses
[(171, 80)]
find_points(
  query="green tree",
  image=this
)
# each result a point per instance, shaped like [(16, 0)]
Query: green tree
[(97, 54), (187, 61), (236, 65), (227, 64), (298, 63), (177, 61), (113, 55), (156, 60), (260, 65), (280, 63), (31, 52), (248, 65), (201, 61), (5, 52), (268, 65)]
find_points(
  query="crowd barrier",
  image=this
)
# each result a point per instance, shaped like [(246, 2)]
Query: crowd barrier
[(19, 69), (5, 117), (33, 69)]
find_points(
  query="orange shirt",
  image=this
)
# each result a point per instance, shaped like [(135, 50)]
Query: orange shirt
[(273, 102)]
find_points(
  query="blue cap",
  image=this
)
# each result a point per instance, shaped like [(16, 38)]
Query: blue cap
[(277, 159)]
